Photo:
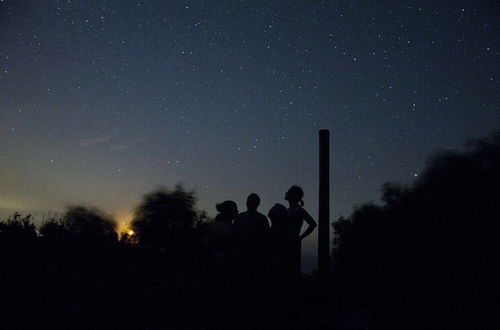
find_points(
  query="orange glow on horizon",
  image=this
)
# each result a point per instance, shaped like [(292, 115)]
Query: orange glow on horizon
[(123, 222)]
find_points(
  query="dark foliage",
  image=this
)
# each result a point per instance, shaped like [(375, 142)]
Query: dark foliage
[(17, 229), (90, 223), (166, 220), (76, 273), (428, 257), (81, 224), (54, 230)]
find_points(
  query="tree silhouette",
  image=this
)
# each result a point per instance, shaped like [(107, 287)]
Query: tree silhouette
[(165, 219), (17, 229), (432, 249), (89, 224), (53, 229)]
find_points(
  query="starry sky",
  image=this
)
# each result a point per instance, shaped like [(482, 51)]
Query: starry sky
[(103, 101)]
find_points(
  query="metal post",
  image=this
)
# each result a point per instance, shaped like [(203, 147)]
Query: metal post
[(324, 203)]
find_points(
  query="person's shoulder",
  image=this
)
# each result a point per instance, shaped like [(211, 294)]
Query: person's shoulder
[(262, 216), (263, 219), (242, 215)]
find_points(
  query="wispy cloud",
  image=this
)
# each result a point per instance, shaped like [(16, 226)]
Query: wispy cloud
[(94, 141), (118, 147)]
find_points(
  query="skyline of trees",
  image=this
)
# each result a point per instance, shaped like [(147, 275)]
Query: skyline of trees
[(428, 254), (432, 248)]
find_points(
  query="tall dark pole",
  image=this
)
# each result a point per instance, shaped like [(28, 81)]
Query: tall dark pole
[(324, 202)]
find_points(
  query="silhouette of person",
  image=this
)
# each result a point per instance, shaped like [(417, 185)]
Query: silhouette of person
[(222, 230), (280, 235), (251, 227), (221, 261), (277, 214), (252, 222), (296, 216)]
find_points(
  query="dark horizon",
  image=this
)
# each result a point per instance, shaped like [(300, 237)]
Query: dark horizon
[(423, 259)]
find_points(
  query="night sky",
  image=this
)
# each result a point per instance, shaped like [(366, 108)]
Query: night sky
[(103, 101)]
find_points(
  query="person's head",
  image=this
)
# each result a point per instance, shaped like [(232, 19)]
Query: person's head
[(228, 209), (277, 214), (253, 201), (294, 195)]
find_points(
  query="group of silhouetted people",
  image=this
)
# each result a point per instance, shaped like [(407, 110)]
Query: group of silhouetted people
[(255, 261), (249, 235)]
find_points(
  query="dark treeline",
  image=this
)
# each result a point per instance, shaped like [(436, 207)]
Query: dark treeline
[(428, 257), (75, 271), (174, 268)]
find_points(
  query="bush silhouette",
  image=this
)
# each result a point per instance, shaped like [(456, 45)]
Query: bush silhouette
[(166, 220), (89, 224), (17, 229), (53, 229), (424, 253)]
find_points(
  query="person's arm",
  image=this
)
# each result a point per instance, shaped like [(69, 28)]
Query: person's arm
[(310, 222)]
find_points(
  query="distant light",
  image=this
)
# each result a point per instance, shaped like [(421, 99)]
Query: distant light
[(130, 232)]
